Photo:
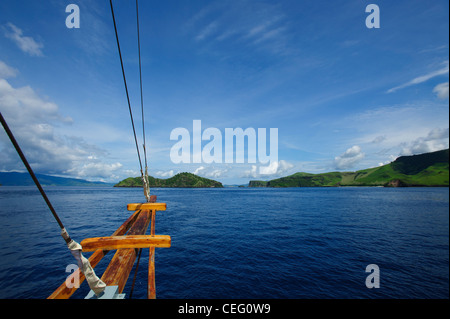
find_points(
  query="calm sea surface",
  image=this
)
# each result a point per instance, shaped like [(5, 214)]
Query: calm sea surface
[(241, 242)]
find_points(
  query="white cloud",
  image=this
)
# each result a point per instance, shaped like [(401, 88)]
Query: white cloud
[(349, 158), (390, 160), (395, 130), (253, 172), (402, 123), (210, 172), (198, 170), (25, 106), (7, 71), (216, 173), (164, 174), (422, 78), (271, 169), (277, 168), (96, 170), (436, 140), (36, 122), (441, 90), (26, 44)]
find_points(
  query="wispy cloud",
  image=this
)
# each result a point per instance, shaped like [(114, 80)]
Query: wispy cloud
[(206, 31), (260, 25), (435, 49), (422, 78), (7, 71), (379, 139), (266, 29), (93, 36), (25, 43)]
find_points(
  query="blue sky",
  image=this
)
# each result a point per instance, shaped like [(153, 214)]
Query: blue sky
[(343, 96)]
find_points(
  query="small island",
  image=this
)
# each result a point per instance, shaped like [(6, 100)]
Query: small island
[(181, 180), (428, 169)]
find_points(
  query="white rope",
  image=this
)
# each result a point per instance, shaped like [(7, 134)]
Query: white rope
[(95, 283), (146, 185)]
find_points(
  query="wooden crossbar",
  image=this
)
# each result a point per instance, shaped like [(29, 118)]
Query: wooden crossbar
[(149, 206), (119, 268), (118, 242)]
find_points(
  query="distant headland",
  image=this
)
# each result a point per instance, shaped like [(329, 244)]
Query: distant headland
[(24, 179), (428, 169)]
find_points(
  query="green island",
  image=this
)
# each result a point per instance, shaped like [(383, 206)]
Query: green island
[(429, 169), (181, 180)]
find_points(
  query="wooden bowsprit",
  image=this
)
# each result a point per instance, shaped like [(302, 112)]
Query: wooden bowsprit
[(127, 239)]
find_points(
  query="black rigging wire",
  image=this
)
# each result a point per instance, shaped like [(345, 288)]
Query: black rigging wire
[(143, 131), (135, 274), (140, 81), (126, 87), (33, 176)]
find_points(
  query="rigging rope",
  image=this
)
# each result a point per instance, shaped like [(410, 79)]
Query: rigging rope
[(33, 176), (135, 273), (95, 283), (125, 83), (144, 177), (140, 80)]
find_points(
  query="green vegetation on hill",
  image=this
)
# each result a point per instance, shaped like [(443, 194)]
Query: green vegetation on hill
[(182, 180), (429, 169), (307, 180), (257, 184)]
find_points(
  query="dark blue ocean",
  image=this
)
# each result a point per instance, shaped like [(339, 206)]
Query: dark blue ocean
[(241, 242)]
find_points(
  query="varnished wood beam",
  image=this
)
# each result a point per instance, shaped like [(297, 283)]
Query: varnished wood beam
[(119, 242), (118, 270), (151, 290), (149, 206)]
